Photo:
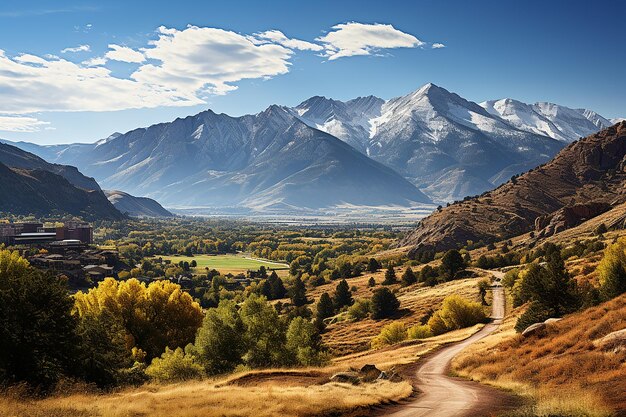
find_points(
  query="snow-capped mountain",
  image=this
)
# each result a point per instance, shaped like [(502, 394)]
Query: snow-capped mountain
[(267, 160), (350, 121), (558, 122)]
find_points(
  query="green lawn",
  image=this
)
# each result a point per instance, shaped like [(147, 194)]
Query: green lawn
[(227, 263)]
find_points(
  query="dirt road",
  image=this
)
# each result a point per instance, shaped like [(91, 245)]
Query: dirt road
[(443, 396)]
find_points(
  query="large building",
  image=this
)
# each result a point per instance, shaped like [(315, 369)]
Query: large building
[(37, 233)]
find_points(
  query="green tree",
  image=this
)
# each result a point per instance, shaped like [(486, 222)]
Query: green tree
[(303, 343), (451, 264), (483, 287), (373, 265), (298, 293), (325, 308), (221, 343), (384, 304), (390, 276), (265, 333), (38, 334), (343, 295), (277, 288), (408, 277), (371, 282)]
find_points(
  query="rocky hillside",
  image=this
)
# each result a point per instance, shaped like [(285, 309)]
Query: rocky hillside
[(14, 157), (44, 193), (583, 180), (136, 206)]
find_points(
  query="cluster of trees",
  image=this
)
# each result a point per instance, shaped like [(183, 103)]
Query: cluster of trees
[(455, 313), (551, 291), (125, 331)]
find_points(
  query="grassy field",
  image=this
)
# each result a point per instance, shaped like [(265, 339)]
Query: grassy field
[(227, 263)]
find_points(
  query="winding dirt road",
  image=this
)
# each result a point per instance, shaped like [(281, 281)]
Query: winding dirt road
[(443, 396)]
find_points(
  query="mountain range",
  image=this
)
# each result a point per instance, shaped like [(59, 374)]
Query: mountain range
[(429, 145)]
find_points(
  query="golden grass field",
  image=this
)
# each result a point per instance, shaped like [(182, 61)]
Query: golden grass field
[(563, 371)]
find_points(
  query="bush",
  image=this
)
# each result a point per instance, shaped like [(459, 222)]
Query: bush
[(361, 308), (389, 335), (419, 331), (535, 313), (174, 366), (408, 278), (384, 304), (456, 313)]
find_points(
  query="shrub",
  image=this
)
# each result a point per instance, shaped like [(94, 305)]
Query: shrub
[(361, 308), (419, 331), (535, 313), (389, 335), (408, 278), (173, 366), (384, 304), (456, 313)]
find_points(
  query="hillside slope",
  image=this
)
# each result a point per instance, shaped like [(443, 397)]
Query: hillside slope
[(14, 157), (44, 193), (592, 170), (136, 206)]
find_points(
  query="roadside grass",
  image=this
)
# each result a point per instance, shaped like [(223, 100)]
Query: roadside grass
[(226, 263), (206, 398), (563, 373)]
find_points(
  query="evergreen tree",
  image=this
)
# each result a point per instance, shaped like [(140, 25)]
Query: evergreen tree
[(451, 264), (384, 304), (325, 307), (373, 265), (298, 293), (408, 278), (390, 276), (343, 295), (278, 290), (371, 282)]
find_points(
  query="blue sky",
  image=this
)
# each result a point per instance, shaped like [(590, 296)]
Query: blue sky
[(567, 52)]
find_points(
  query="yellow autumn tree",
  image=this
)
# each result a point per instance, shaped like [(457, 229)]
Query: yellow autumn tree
[(154, 317)]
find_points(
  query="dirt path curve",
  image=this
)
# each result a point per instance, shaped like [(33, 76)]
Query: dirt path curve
[(443, 396)]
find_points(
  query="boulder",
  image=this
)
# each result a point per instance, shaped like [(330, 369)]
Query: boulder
[(615, 341), (369, 373), (553, 320), (346, 377), (534, 329), (568, 217)]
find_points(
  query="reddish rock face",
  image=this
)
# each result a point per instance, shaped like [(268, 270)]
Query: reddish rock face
[(583, 180)]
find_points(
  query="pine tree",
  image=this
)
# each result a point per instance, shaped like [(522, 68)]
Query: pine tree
[(325, 308), (371, 282), (278, 290), (408, 278), (384, 303), (343, 295), (373, 265), (298, 293), (390, 276)]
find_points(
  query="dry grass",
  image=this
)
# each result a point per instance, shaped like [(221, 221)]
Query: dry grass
[(561, 370), (206, 399), (416, 302)]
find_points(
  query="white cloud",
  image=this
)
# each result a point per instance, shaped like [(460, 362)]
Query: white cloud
[(438, 45), (350, 39), (278, 37), (124, 54), (21, 124), (79, 48), (96, 61), (200, 60), (179, 67)]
